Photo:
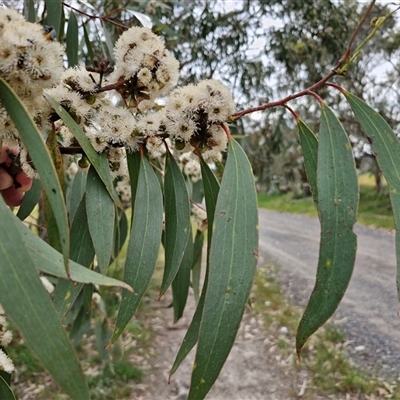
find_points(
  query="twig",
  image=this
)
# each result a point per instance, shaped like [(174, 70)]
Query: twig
[(101, 18), (335, 71)]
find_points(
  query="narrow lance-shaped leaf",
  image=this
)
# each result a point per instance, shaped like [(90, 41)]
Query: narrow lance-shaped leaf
[(49, 261), (233, 259), (54, 13), (180, 285), (309, 145), (82, 251), (40, 156), (337, 205), (90, 52), (177, 220), (386, 146), (76, 193), (100, 211), (50, 218), (5, 390), (31, 198), (197, 261), (144, 243), (211, 189), (72, 40), (99, 161), (29, 306), (30, 12)]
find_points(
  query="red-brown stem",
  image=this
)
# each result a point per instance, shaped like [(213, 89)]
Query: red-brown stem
[(296, 117), (228, 133), (315, 95), (101, 18), (141, 149), (334, 85), (317, 85)]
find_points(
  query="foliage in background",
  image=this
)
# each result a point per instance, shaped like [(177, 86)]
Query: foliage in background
[(122, 124)]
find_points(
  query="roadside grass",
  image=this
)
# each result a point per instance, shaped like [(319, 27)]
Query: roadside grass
[(325, 367), (374, 208)]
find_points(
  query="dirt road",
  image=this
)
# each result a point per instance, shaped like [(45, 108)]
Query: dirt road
[(369, 312), (368, 315)]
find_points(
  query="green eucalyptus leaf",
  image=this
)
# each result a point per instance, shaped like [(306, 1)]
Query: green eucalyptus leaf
[(82, 252), (309, 145), (54, 14), (5, 391), (39, 153), (30, 14), (232, 264), (29, 306), (49, 261), (76, 193), (337, 205), (72, 40), (31, 198), (197, 259), (90, 52), (385, 144), (144, 243), (100, 217), (120, 232), (177, 220), (211, 190), (181, 282), (99, 161)]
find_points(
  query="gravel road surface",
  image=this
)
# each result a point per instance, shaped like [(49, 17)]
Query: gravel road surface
[(369, 312)]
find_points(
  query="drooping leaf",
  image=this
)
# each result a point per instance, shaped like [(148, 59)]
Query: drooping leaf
[(31, 198), (53, 236), (385, 145), (88, 43), (134, 162), (54, 13), (337, 205), (181, 282), (30, 13), (81, 324), (40, 156), (72, 40), (309, 145), (211, 190), (177, 220), (197, 259), (144, 243), (109, 41), (99, 161), (49, 261), (233, 259), (75, 193), (28, 305), (120, 232), (82, 251), (5, 391), (100, 217)]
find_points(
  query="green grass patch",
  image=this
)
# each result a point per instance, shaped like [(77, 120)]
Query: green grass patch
[(374, 208)]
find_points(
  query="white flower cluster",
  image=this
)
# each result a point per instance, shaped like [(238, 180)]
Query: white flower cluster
[(148, 69), (194, 116), (5, 339), (115, 107), (29, 63)]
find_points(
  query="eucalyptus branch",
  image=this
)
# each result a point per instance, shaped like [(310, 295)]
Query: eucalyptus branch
[(338, 69), (101, 18)]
